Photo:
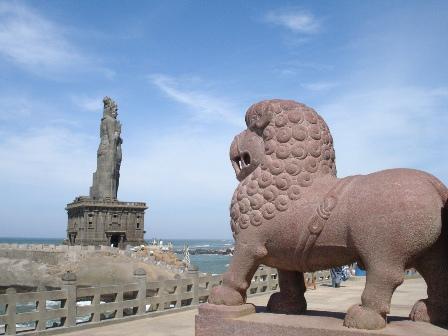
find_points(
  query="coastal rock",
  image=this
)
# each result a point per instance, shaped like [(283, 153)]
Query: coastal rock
[(32, 269)]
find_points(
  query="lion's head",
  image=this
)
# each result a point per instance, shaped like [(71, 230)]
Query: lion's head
[(286, 146)]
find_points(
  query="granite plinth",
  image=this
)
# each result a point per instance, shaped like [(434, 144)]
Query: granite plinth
[(314, 323), (224, 312)]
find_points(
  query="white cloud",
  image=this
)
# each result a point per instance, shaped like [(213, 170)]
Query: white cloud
[(32, 41), (183, 167), (204, 105), (181, 162), (389, 127), (42, 170), (92, 104), (185, 176), (298, 21), (440, 92), (41, 46), (50, 157), (14, 107), (320, 86)]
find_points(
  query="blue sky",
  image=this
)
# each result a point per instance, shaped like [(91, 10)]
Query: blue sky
[(183, 74)]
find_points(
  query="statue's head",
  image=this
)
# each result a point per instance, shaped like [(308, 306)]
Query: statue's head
[(110, 108), (285, 147)]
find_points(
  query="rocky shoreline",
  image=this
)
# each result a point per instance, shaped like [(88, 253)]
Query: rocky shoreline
[(201, 250), (32, 266)]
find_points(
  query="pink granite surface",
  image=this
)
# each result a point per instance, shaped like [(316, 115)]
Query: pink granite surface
[(316, 323)]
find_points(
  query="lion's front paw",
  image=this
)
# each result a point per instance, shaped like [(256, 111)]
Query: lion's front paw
[(420, 312), (284, 304), (364, 318), (425, 312), (223, 295)]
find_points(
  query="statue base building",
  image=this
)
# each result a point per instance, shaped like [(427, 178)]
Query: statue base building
[(105, 222)]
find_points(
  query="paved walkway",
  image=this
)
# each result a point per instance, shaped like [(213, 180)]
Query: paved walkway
[(324, 298)]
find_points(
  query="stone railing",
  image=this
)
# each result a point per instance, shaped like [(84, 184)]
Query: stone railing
[(82, 307)]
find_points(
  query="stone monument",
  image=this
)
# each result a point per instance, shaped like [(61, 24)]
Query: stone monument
[(290, 211), (100, 219), (107, 176)]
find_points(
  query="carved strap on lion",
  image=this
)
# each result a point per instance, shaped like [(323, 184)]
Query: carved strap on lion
[(318, 220)]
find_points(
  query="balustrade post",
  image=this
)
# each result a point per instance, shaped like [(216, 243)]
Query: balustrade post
[(41, 323), (10, 327), (119, 301), (194, 275), (162, 296), (69, 286), (96, 301), (179, 290), (140, 275)]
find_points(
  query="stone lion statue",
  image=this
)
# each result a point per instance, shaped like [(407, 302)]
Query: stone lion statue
[(290, 211)]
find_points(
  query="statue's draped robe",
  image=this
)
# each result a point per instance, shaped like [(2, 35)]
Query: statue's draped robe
[(106, 177)]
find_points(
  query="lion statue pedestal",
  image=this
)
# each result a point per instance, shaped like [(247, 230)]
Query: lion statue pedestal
[(221, 320), (290, 211)]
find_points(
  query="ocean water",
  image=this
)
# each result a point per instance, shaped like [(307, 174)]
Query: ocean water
[(210, 263)]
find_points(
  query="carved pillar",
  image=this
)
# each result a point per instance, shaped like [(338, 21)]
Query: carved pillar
[(11, 305), (69, 285), (140, 275)]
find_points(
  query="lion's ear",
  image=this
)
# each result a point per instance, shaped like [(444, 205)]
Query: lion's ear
[(263, 121)]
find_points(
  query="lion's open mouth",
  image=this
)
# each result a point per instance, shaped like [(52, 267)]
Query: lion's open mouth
[(245, 158), (245, 151), (242, 161)]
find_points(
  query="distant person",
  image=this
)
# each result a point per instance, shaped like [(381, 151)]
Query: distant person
[(336, 276)]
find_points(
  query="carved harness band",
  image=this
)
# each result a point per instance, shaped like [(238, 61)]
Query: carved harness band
[(318, 219)]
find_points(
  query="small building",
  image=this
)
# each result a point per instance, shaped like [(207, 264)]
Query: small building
[(101, 222), (100, 218)]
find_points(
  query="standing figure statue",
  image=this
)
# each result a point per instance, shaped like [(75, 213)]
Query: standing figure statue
[(106, 178)]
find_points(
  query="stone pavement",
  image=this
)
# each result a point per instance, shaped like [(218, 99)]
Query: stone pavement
[(324, 298)]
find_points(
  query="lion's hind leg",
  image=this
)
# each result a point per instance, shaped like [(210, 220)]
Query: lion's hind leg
[(381, 281), (433, 266), (290, 299)]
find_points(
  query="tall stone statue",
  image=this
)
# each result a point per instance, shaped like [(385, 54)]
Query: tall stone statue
[(107, 175), (101, 219)]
